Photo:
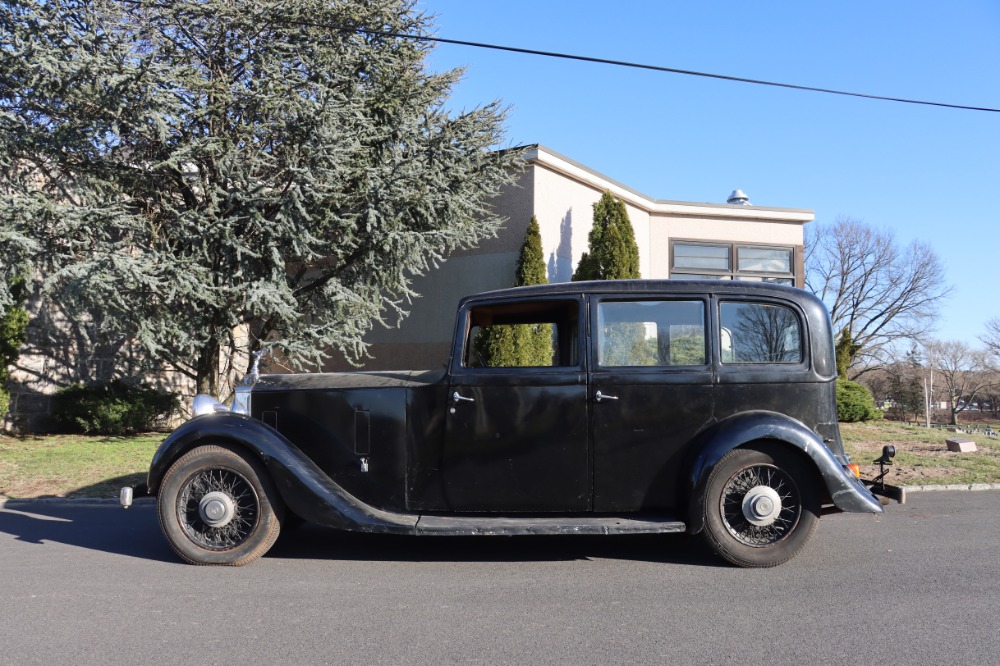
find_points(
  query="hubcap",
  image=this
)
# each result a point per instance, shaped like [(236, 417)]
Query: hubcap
[(761, 505), (216, 509)]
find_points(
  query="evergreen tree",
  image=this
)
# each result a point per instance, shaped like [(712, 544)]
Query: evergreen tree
[(845, 351), (521, 345), (13, 335), (196, 169), (612, 251)]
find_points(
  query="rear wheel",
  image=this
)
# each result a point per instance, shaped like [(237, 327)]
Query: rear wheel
[(218, 506), (761, 507)]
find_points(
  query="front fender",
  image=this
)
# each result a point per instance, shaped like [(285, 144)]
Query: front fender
[(847, 493), (306, 489)]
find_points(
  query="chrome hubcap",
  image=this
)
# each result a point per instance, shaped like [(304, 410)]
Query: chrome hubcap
[(216, 509), (761, 505)]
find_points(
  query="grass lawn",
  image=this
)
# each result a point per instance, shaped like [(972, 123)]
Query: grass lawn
[(94, 466), (73, 465), (922, 457)]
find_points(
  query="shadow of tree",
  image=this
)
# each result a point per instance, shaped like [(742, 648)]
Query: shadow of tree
[(107, 528)]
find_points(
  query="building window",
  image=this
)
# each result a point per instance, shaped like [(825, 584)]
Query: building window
[(694, 260)]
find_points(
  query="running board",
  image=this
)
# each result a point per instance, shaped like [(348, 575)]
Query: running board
[(512, 526)]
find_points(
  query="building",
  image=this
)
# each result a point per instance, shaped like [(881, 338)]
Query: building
[(676, 239)]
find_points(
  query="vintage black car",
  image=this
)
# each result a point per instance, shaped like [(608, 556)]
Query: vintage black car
[(705, 407)]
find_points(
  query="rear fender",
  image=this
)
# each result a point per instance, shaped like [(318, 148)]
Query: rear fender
[(303, 486), (846, 492)]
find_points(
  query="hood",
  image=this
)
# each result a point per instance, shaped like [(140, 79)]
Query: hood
[(319, 381)]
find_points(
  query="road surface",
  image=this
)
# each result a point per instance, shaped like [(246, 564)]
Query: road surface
[(98, 585)]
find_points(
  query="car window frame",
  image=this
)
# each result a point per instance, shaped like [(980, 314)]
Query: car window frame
[(756, 373), (457, 367), (594, 322)]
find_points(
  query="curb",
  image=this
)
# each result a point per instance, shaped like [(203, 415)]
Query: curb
[(14, 502), (953, 486)]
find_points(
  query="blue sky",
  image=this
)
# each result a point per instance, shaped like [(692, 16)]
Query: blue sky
[(925, 173)]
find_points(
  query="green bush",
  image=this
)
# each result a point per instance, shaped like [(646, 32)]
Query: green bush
[(115, 408), (855, 403), (13, 334)]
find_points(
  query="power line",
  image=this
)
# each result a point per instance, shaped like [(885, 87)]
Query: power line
[(635, 65), (606, 61)]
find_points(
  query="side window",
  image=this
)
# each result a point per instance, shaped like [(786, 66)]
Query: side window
[(759, 333), (523, 335), (650, 333)]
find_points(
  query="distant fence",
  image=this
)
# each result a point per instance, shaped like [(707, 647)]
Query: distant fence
[(966, 428)]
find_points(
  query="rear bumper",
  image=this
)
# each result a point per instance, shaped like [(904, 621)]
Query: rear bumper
[(885, 492)]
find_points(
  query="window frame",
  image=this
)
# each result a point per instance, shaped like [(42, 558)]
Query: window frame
[(594, 342), (733, 272), (803, 358), (462, 343)]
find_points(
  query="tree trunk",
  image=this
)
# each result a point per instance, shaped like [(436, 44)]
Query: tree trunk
[(208, 369)]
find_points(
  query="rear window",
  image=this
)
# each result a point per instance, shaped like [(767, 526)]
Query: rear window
[(759, 333)]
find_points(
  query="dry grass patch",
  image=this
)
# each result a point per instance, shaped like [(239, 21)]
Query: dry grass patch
[(922, 456), (73, 465)]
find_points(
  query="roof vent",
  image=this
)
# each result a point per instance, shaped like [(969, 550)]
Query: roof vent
[(738, 198)]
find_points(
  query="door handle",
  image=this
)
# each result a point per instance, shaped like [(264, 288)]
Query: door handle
[(604, 396), (461, 398)]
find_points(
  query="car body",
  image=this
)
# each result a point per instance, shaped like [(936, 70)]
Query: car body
[(668, 406)]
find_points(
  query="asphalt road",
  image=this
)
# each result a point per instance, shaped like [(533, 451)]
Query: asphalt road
[(98, 585)]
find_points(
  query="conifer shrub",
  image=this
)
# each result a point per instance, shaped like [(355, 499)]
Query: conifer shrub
[(521, 345), (855, 403), (115, 408), (612, 253), (13, 335)]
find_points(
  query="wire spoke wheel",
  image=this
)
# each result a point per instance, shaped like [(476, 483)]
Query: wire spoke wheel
[(218, 505), (760, 505), (218, 509)]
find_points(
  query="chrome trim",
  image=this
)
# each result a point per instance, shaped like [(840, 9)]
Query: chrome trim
[(206, 404), (241, 400)]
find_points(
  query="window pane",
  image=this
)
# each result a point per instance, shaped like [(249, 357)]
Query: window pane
[(651, 333), (759, 333), (764, 260), (696, 276), (522, 335), (715, 257)]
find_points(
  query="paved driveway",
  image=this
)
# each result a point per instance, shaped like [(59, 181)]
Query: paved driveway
[(89, 585)]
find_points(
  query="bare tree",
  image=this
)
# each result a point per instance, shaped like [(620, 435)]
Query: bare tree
[(877, 290), (992, 339), (964, 371)]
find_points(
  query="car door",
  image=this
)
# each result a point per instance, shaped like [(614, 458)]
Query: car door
[(516, 437), (651, 391)]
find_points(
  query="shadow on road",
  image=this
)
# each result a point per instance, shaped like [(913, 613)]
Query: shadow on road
[(313, 542), (135, 533), (107, 528)]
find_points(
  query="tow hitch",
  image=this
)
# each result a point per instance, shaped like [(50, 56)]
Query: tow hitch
[(878, 486)]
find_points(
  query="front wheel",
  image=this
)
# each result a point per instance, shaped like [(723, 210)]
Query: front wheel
[(218, 506), (761, 507)]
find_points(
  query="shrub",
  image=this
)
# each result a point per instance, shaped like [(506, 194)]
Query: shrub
[(855, 403), (115, 408), (13, 334)]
